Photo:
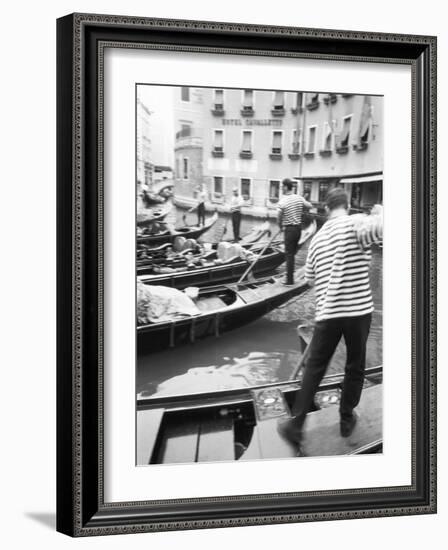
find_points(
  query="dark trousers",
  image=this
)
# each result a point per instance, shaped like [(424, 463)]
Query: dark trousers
[(201, 213), (326, 337), (236, 222), (292, 238)]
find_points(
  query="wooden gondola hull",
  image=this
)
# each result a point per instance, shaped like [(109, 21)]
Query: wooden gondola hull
[(167, 237), (256, 303), (212, 275)]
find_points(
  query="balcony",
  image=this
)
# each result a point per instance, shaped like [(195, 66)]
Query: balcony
[(278, 110), (330, 98), (294, 156), (247, 111), (218, 110), (309, 154), (312, 105), (276, 154), (325, 152), (246, 154), (218, 152), (362, 146), (187, 137), (342, 149)]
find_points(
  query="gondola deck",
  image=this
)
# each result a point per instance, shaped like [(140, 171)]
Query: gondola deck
[(237, 306), (221, 428)]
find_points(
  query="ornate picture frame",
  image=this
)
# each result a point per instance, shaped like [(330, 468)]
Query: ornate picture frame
[(81, 43)]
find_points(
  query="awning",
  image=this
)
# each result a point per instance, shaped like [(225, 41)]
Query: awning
[(363, 179)]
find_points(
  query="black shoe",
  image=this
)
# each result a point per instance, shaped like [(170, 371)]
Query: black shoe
[(289, 430), (348, 425)]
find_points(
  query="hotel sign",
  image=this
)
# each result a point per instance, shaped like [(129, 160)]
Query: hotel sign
[(252, 122)]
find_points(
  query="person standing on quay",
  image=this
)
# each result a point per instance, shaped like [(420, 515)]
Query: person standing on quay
[(236, 204), (337, 266), (290, 210)]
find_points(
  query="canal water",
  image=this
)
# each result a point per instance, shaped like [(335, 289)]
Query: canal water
[(267, 350)]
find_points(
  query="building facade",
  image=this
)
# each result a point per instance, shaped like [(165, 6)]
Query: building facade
[(252, 139), (145, 167), (188, 147)]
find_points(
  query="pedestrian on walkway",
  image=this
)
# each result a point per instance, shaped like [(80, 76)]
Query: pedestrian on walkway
[(338, 267), (290, 210)]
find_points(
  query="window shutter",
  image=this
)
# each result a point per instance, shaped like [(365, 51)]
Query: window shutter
[(279, 99), (248, 98), (219, 97), (219, 140), (276, 142), (247, 141)]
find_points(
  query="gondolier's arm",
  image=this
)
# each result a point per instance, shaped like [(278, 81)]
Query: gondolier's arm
[(280, 218)]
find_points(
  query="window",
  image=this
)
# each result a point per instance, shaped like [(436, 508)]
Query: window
[(219, 100), (245, 188), (185, 93), (327, 137), (364, 134), (246, 146), (248, 100), (312, 101), (218, 186), (279, 100), (307, 187), (185, 168), (274, 190), (298, 102), (344, 135), (177, 168), (295, 142), (323, 190), (276, 143), (218, 141), (185, 130), (311, 139), (278, 106)]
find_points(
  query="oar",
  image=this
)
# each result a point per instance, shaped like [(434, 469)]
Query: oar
[(249, 269), (225, 227)]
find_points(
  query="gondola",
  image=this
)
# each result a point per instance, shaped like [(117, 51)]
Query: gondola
[(220, 308), (212, 271), (241, 423), (178, 274), (189, 232), (150, 215)]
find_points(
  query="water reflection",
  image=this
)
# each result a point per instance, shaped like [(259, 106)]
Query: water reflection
[(264, 351)]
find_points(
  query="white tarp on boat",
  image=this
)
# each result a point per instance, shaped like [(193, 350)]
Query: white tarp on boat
[(156, 304)]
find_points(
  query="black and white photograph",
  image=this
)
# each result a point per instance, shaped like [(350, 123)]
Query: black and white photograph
[(259, 234)]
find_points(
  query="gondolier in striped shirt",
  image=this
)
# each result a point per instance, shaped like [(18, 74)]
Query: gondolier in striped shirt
[(290, 210), (337, 266)]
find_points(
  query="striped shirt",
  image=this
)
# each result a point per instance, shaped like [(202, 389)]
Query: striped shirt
[(338, 264), (291, 207)]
